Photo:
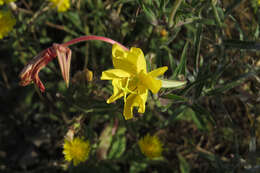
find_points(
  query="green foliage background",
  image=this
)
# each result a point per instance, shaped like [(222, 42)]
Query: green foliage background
[(210, 125)]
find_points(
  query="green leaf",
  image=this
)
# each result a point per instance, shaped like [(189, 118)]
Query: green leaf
[(137, 167), (199, 119), (176, 97), (184, 165), (250, 45), (176, 114), (203, 113), (105, 142), (119, 144), (182, 66), (233, 83), (197, 43), (75, 19), (150, 15), (204, 21)]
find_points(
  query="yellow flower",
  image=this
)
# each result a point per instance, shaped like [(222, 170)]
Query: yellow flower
[(163, 32), (61, 5), (76, 150), (131, 80), (150, 146), (258, 2), (7, 21), (6, 1)]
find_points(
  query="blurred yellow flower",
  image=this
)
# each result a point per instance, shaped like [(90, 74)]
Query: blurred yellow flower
[(150, 146), (61, 5), (258, 2), (7, 21), (6, 1), (164, 32), (77, 150), (131, 80)]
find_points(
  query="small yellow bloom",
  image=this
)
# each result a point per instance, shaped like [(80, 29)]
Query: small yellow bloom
[(258, 2), (88, 75), (76, 150), (131, 80), (61, 5), (150, 146), (6, 1), (7, 21), (163, 32)]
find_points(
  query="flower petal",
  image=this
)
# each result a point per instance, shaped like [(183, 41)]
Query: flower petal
[(150, 82), (118, 51), (132, 61), (143, 93), (158, 72), (151, 146), (31, 70), (64, 59), (117, 83), (140, 62), (77, 150), (114, 74), (135, 100)]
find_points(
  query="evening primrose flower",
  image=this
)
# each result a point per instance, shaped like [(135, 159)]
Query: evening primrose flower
[(151, 146), (131, 80), (61, 5), (77, 150), (7, 21)]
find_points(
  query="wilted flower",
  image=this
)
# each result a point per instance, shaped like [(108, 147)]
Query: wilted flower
[(7, 21), (76, 150), (30, 72), (150, 146), (131, 80), (61, 5)]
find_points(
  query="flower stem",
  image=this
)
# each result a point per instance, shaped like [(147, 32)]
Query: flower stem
[(173, 12), (93, 37)]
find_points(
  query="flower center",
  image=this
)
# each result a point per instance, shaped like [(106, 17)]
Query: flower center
[(126, 89), (77, 152)]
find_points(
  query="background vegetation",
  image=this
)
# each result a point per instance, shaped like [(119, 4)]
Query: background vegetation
[(210, 125)]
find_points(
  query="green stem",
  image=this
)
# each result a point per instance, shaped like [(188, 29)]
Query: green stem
[(173, 12), (216, 14)]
